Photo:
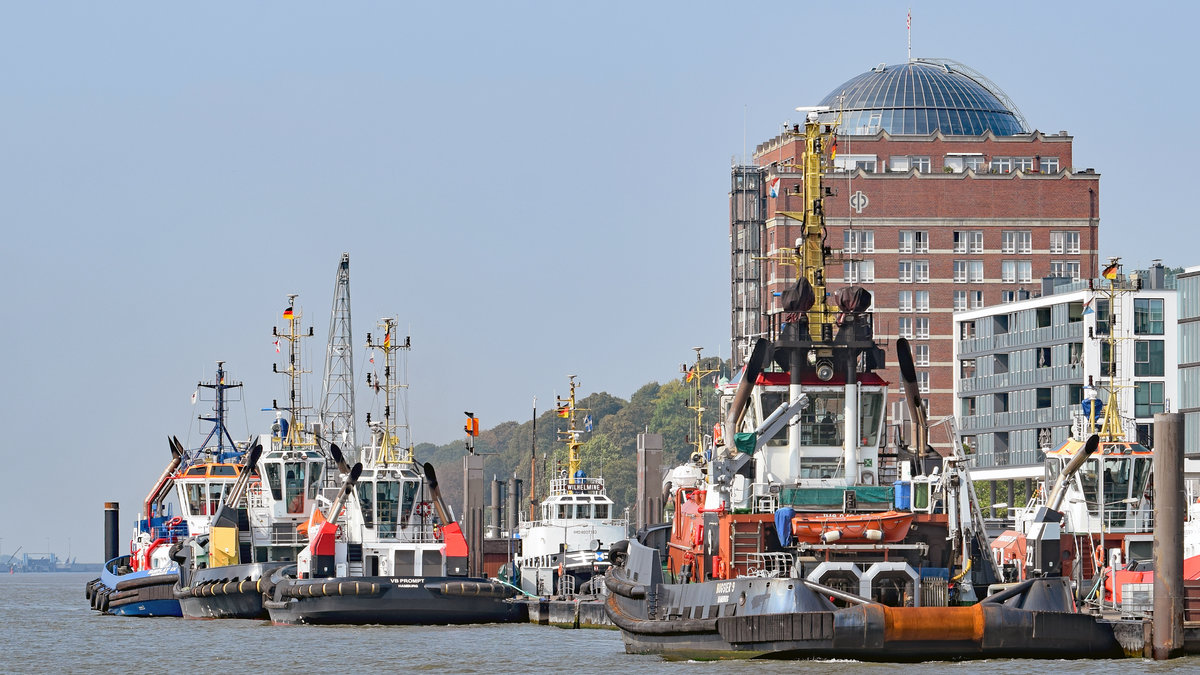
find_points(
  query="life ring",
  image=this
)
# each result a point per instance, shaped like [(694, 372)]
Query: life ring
[(437, 532), (1098, 556), (424, 509)]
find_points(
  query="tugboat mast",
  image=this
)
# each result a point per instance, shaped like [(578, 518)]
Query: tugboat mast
[(295, 409), (566, 408), (693, 376), (388, 451), (218, 416), (337, 399)]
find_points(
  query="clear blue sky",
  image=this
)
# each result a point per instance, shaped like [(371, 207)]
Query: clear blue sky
[(534, 189)]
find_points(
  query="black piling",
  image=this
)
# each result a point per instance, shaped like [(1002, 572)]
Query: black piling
[(112, 530)]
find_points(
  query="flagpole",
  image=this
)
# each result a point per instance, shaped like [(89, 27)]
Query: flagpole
[(908, 27), (533, 467)]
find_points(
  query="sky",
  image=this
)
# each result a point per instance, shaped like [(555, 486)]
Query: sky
[(533, 189)]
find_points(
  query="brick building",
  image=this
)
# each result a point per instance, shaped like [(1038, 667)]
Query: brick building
[(938, 199)]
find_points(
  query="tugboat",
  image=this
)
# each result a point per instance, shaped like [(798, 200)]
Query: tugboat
[(388, 549), (182, 503), (786, 540), (224, 574), (563, 552)]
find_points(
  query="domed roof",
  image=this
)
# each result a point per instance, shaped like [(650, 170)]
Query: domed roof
[(921, 96)]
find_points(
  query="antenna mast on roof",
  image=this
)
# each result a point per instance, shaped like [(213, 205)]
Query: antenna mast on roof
[(908, 27)]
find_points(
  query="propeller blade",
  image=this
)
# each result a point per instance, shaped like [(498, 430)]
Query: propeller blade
[(174, 452), (430, 476), (178, 447), (355, 472)]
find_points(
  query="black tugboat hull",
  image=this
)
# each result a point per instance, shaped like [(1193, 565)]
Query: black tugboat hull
[(230, 592), (393, 601), (784, 618)]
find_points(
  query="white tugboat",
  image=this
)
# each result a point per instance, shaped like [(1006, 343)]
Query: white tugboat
[(387, 550), (563, 552), (224, 574)]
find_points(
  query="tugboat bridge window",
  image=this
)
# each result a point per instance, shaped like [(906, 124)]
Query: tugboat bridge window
[(274, 482), (293, 486)]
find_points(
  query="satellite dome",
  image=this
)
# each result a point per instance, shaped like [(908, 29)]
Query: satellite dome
[(923, 96)]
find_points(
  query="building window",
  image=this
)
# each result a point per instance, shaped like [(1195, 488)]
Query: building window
[(1106, 360), (1000, 402), (906, 327), (1102, 316), (1045, 357), (960, 300), (922, 304), (1008, 271), (861, 271), (1064, 268), (1001, 165), (1147, 399), (1049, 165), (975, 270), (1024, 271), (976, 299), (968, 241), (921, 164), (1064, 242), (921, 271), (923, 383), (960, 271), (1148, 358), (968, 407), (858, 241), (1023, 164), (905, 301), (974, 163), (966, 368), (1016, 241), (867, 165), (913, 241), (1148, 316), (1008, 296), (904, 271), (922, 328), (966, 330), (921, 355), (1043, 397)]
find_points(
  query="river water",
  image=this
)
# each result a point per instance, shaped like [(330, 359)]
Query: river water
[(47, 626)]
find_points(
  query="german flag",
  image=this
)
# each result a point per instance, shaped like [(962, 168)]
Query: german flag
[(1110, 272), (387, 341), (833, 149), (563, 411), (690, 375), (288, 314)]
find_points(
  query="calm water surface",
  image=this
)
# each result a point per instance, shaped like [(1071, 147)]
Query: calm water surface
[(47, 626)]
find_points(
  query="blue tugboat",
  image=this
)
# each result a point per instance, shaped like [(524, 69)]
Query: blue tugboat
[(182, 503)]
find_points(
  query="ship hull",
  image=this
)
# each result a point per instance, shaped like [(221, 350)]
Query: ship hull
[(142, 593), (393, 601), (230, 592), (787, 619)]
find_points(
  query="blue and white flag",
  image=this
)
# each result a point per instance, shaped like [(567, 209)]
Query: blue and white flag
[(587, 423)]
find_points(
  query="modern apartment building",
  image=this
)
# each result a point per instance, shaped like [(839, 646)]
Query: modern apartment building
[(1023, 368)]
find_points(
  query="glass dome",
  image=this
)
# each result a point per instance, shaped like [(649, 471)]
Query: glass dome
[(919, 97)]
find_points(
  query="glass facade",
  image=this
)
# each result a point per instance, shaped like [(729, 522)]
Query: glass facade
[(919, 98)]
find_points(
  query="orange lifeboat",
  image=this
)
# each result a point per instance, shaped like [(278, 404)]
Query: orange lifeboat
[(851, 528)]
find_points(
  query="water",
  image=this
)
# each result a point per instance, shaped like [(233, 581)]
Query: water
[(47, 626)]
